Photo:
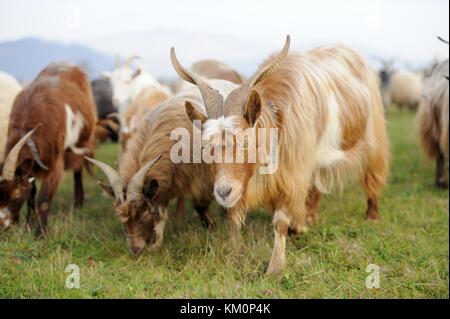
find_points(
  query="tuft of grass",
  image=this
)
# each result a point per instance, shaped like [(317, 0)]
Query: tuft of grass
[(410, 244)]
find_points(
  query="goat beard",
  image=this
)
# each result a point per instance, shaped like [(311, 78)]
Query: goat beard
[(238, 212)]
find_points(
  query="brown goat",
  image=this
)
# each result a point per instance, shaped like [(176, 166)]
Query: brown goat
[(55, 116), (143, 187), (327, 110)]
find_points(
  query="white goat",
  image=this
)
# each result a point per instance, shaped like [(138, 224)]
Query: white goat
[(128, 83)]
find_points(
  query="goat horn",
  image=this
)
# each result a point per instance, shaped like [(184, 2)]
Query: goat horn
[(136, 183), (9, 167), (236, 100), (115, 180), (274, 66), (211, 97), (130, 60), (35, 153), (442, 39)]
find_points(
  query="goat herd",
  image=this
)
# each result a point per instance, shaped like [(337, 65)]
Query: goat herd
[(326, 106)]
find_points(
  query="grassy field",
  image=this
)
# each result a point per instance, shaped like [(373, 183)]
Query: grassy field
[(410, 245)]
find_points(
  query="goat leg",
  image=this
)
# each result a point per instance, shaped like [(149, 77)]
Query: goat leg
[(441, 178), (79, 190)]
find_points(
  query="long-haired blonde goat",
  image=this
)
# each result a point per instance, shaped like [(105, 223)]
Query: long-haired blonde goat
[(327, 108)]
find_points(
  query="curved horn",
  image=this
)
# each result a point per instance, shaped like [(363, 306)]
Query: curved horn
[(274, 66), (136, 183), (130, 60), (442, 39), (115, 180), (9, 167), (211, 97), (35, 153)]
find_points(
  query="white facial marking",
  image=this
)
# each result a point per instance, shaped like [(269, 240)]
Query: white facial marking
[(217, 126), (329, 151), (74, 125)]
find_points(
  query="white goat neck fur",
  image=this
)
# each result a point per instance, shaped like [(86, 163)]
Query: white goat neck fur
[(74, 126)]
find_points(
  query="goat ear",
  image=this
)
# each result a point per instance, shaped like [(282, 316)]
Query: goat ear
[(136, 74), (107, 189), (253, 108), (193, 114), (151, 189)]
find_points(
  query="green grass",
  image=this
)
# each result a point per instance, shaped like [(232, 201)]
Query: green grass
[(410, 244)]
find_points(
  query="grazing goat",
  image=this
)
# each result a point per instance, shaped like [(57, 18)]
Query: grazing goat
[(433, 121), (55, 117), (327, 109), (143, 186), (107, 127), (9, 88)]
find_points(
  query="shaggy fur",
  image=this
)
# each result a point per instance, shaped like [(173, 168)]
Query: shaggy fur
[(405, 90), (135, 114), (9, 88), (327, 107), (60, 90), (144, 221), (433, 120)]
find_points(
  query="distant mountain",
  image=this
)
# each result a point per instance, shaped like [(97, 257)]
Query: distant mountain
[(25, 58)]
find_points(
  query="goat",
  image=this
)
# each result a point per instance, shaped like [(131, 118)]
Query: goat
[(55, 117), (327, 108), (9, 88), (127, 83), (433, 121), (107, 127), (147, 179), (405, 89)]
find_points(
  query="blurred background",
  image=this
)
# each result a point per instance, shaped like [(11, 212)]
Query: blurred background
[(240, 33)]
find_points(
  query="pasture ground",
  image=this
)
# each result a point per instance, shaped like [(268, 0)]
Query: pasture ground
[(410, 245)]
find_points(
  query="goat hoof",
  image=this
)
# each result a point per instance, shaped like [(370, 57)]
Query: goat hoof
[(372, 218), (40, 233), (297, 230), (275, 269)]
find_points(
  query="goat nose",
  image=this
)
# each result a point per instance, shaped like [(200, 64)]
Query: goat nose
[(224, 191)]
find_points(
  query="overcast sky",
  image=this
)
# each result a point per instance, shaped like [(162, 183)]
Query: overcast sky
[(405, 29)]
